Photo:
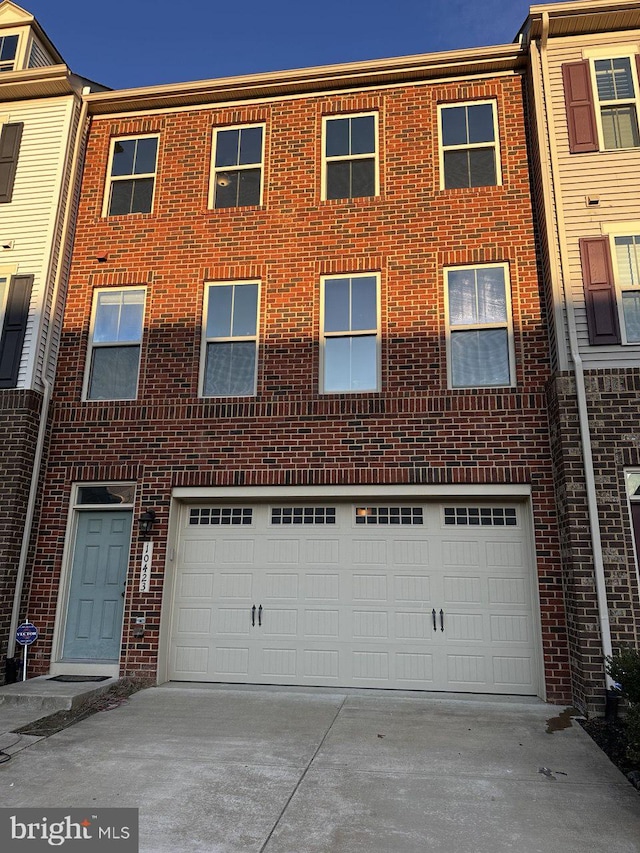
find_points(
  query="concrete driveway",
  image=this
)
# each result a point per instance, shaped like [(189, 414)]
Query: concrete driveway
[(215, 769)]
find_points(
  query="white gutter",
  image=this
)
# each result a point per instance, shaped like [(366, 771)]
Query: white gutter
[(583, 412), (48, 387)]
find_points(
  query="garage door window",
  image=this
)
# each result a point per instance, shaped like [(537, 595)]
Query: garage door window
[(485, 516), (303, 515), (221, 515), (389, 515)]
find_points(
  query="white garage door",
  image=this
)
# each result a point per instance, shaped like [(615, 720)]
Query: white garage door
[(412, 596)]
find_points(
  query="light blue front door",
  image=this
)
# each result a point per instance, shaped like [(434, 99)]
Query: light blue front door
[(96, 595)]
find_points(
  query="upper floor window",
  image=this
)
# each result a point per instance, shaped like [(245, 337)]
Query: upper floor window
[(627, 274), (350, 156), (132, 173), (238, 154), (480, 350), (469, 155), (601, 94), (230, 339), (8, 49), (350, 329), (617, 98), (114, 346)]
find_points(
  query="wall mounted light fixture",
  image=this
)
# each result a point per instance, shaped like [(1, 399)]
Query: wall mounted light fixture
[(146, 522)]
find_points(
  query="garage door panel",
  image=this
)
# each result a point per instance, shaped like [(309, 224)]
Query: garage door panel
[(412, 588), (346, 603)]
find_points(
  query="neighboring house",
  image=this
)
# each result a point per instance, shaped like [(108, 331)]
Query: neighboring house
[(40, 106), (585, 62), (304, 343)]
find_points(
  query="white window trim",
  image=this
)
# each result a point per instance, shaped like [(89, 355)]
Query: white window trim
[(111, 179), (6, 272), (204, 340), (90, 345), (613, 53), (508, 325), (214, 170), (357, 333), (475, 145), (630, 473), (342, 158)]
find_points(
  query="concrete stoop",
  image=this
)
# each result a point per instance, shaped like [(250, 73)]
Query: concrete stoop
[(46, 696)]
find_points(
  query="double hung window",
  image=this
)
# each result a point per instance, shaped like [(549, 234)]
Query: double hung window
[(8, 50), (350, 334), (469, 145), (351, 156), (230, 339), (114, 346), (238, 155), (479, 327), (616, 87), (627, 272), (132, 174)]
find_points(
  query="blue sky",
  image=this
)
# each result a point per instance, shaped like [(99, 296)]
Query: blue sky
[(146, 42)]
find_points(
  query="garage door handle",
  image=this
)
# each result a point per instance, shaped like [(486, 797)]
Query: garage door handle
[(433, 613), (260, 616), (253, 616), (442, 620)]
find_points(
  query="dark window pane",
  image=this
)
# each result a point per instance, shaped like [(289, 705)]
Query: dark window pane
[(482, 166), (245, 306), (620, 127), (613, 79), (142, 195), (9, 45), (336, 305), (230, 369), (454, 126), (337, 138), (226, 189), (146, 151), (106, 494), (123, 155), (480, 120), (219, 311), (456, 169), (363, 178), (364, 313), (114, 373), (250, 145), (249, 187), (121, 196), (338, 180), (363, 137), (227, 142)]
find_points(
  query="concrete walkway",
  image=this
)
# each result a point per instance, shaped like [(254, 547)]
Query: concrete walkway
[(215, 769)]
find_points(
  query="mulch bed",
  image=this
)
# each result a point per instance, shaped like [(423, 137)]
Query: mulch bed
[(611, 737)]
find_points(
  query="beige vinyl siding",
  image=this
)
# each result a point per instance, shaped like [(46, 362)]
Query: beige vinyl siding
[(38, 57), (611, 176), (32, 219), (547, 230), (63, 252)]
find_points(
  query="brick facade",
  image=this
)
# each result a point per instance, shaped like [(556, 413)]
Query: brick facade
[(19, 418), (414, 430)]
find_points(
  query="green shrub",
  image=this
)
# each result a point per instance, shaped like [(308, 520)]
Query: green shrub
[(624, 668), (632, 725)]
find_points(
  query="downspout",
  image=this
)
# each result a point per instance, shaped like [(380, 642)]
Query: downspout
[(47, 389), (583, 414)]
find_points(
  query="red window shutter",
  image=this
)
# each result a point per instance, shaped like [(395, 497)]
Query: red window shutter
[(599, 291), (14, 329), (9, 148), (578, 99)]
